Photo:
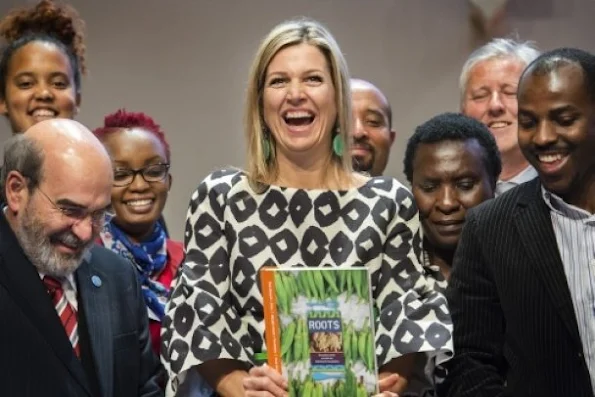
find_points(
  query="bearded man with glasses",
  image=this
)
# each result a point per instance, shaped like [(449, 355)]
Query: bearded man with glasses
[(74, 319)]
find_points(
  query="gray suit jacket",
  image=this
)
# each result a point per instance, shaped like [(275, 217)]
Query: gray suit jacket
[(36, 357)]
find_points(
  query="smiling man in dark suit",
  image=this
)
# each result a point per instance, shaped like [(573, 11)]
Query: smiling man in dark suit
[(522, 290), (74, 320)]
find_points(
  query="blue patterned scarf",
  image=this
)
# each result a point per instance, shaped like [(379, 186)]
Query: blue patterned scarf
[(149, 258)]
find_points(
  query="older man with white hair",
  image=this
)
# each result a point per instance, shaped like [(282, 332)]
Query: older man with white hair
[(488, 85)]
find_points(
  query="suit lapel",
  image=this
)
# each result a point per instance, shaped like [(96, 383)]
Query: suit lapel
[(94, 296), (537, 234), (24, 283)]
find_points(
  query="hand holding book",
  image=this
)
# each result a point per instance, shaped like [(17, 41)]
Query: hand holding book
[(264, 378)]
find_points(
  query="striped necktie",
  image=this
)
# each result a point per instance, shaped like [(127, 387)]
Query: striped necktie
[(65, 311)]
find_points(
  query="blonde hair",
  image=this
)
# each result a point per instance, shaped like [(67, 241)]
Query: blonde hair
[(286, 34)]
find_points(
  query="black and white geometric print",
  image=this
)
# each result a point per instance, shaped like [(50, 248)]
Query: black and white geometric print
[(433, 273), (215, 310)]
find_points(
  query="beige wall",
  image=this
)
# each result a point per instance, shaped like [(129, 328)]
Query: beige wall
[(185, 62)]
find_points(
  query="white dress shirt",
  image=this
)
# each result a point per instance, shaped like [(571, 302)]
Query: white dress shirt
[(575, 234)]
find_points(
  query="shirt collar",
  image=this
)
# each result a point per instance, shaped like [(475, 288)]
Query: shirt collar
[(525, 175), (67, 282), (559, 206)]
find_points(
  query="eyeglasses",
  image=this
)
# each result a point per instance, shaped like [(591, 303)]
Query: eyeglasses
[(98, 218), (152, 173)]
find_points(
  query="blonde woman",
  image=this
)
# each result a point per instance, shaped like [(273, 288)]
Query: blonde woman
[(298, 204)]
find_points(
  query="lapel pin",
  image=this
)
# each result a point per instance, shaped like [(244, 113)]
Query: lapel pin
[(96, 281)]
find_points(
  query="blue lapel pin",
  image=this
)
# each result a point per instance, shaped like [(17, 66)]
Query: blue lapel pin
[(96, 281)]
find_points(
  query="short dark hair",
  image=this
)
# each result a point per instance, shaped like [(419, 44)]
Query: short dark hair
[(555, 59), (389, 114), (454, 127), (24, 155)]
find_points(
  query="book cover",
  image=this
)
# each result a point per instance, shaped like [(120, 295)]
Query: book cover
[(320, 330)]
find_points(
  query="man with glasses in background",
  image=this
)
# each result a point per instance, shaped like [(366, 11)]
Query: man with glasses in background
[(74, 320)]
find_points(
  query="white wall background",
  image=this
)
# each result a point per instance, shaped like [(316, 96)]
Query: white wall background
[(185, 63)]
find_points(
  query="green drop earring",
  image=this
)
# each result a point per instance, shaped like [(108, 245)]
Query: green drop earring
[(338, 145), (266, 144)]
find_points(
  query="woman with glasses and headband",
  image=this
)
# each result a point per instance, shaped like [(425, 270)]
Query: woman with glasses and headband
[(140, 156)]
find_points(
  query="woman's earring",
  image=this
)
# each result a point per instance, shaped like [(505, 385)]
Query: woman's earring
[(266, 144), (338, 145)]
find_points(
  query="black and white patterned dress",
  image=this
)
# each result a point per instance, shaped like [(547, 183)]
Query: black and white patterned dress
[(215, 310)]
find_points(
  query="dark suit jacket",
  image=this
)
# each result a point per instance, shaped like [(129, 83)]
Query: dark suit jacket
[(36, 357), (513, 316)]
